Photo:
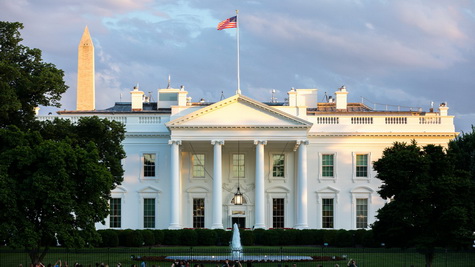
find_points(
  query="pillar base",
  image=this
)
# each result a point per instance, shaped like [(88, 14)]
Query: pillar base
[(174, 226), (217, 226), (301, 226)]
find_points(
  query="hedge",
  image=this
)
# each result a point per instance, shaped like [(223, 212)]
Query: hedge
[(220, 237)]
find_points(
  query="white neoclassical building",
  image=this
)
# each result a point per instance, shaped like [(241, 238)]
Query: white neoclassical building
[(299, 164)]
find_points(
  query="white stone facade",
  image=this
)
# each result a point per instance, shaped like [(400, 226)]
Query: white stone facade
[(324, 178)]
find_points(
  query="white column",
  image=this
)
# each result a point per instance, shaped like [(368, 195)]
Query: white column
[(259, 209), (302, 201), (175, 184), (217, 185)]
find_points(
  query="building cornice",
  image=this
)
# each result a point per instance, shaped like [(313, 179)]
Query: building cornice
[(367, 134)]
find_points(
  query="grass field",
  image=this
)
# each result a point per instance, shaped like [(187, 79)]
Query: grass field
[(326, 257)]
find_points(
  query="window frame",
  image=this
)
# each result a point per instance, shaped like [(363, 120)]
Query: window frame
[(326, 216), (283, 165), (241, 174), (366, 225), (368, 166), (280, 217), (146, 216), (115, 217), (143, 165), (202, 165), (335, 167), (202, 216)]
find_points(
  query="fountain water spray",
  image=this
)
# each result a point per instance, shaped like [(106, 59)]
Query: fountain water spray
[(236, 248)]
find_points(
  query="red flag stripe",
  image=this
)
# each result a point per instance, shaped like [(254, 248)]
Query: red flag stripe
[(228, 23)]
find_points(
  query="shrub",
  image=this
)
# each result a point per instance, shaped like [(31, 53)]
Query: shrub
[(344, 238), (206, 237), (159, 236), (288, 237), (247, 238), (189, 237), (329, 237), (171, 237), (271, 238), (148, 237), (223, 237), (259, 236), (109, 237)]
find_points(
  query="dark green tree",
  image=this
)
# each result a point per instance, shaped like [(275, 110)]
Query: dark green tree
[(428, 200), (26, 82), (55, 176), (54, 188)]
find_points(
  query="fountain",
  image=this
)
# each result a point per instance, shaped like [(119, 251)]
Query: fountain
[(236, 248), (238, 255)]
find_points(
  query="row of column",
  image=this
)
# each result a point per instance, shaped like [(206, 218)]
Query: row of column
[(217, 211)]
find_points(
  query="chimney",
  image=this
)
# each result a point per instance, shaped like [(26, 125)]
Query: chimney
[(443, 109), (341, 99), (137, 99)]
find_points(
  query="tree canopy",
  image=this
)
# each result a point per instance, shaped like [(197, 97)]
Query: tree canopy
[(429, 200), (26, 82), (55, 176)]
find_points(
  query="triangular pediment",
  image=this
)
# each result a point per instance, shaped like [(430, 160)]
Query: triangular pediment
[(238, 112)]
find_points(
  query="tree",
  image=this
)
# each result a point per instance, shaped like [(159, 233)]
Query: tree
[(429, 201), (26, 82), (55, 176), (56, 186)]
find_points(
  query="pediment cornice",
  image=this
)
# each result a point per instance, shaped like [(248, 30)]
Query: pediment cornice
[(292, 122)]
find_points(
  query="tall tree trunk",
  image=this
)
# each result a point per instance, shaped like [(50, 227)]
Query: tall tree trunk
[(429, 256)]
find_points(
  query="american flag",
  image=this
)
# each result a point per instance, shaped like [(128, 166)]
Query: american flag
[(228, 23)]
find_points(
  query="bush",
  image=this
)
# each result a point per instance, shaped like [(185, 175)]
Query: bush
[(189, 237), (247, 238), (109, 238), (271, 238), (148, 237), (288, 237), (130, 238), (344, 238), (259, 236), (171, 237), (206, 237), (223, 237), (159, 236)]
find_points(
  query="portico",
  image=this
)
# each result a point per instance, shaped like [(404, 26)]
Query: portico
[(258, 145)]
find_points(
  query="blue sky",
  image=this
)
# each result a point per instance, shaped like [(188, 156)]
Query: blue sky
[(405, 52)]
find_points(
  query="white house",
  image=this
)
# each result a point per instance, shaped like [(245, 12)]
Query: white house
[(299, 164)]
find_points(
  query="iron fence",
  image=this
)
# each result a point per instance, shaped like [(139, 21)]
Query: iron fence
[(248, 257)]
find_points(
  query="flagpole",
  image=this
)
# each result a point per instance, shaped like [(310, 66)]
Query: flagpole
[(238, 91)]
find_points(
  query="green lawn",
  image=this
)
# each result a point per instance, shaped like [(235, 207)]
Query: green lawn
[(364, 257)]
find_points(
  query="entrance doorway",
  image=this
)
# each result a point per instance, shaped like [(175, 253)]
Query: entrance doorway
[(241, 222)]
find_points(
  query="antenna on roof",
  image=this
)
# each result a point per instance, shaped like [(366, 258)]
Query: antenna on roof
[(273, 99), (168, 87), (222, 95)]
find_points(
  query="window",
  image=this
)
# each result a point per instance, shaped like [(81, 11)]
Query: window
[(149, 213), (238, 165), (361, 213), (327, 165), (198, 213), (115, 212), (278, 165), (327, 213), (149, 164), (278, 213), (198, 165), (362, 165)]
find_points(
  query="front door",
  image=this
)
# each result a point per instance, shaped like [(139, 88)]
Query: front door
[(241, 221)]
